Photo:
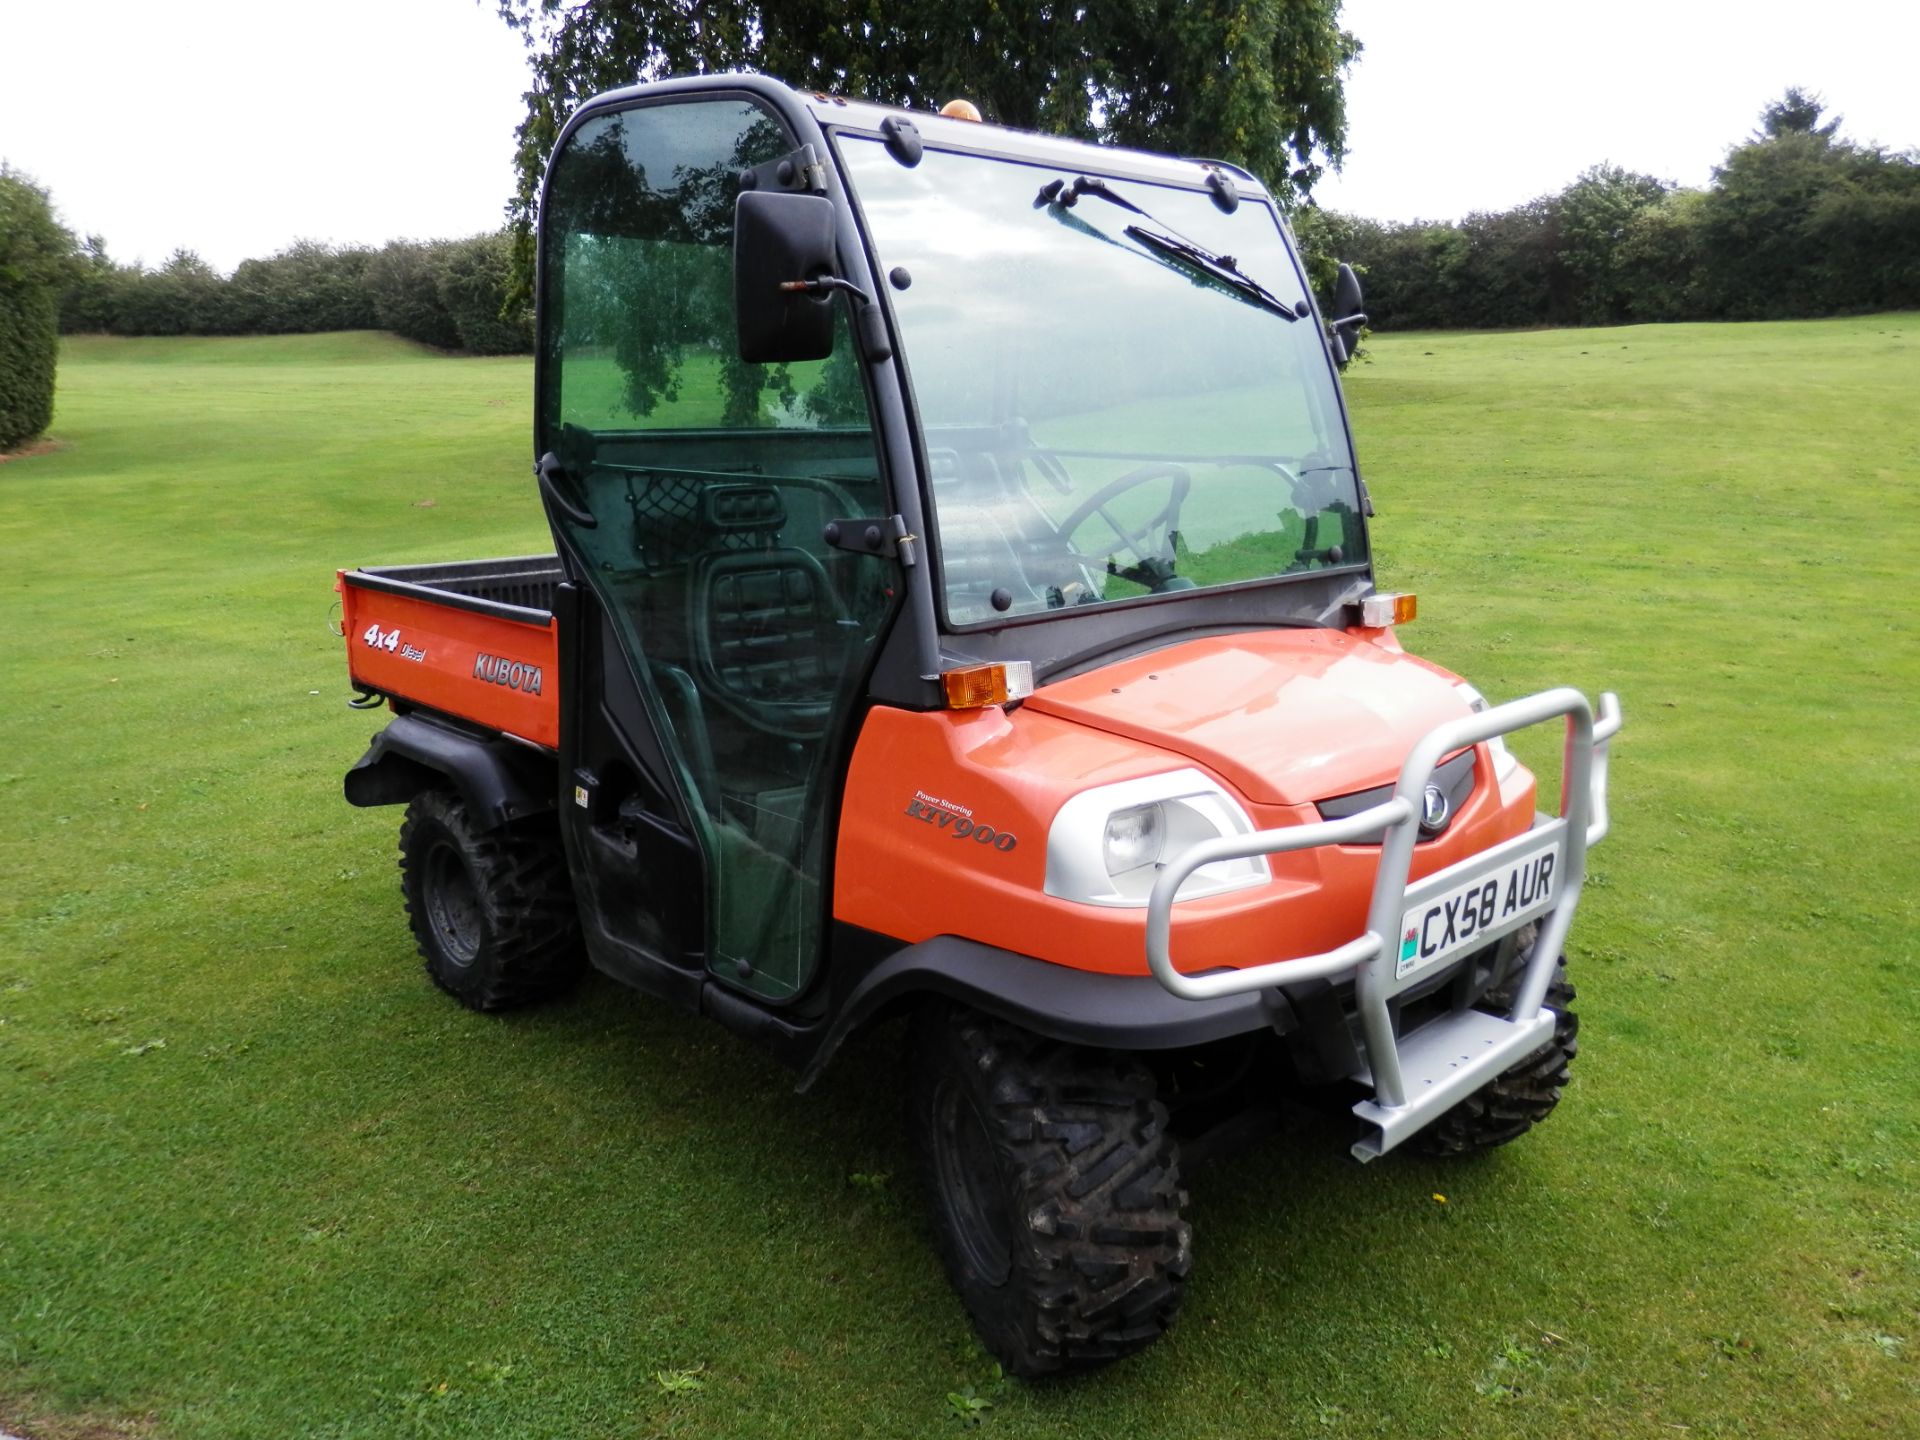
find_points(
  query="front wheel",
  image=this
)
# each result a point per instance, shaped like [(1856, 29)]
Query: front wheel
[(492, 911), (1054, 1188)]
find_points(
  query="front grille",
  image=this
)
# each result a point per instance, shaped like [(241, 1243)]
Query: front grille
[(1453, 776)]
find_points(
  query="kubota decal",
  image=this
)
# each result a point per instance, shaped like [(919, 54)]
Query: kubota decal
[(957, 821), (513, 674)]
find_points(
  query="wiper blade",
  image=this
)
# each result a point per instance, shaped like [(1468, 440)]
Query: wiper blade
[(1222, 268)]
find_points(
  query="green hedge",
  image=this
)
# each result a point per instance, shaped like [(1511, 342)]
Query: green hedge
[(406, 300), (35, 260), (472, 281), (450, 294)]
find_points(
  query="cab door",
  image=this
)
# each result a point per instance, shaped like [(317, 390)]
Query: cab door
[(693, 492)]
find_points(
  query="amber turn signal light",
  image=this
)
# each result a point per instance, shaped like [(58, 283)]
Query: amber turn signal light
[(1379, 611), (975, 686)]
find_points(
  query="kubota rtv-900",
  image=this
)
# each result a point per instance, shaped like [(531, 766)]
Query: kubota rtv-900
[(963, 609)]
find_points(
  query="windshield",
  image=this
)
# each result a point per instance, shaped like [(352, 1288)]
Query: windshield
[(1117, 396)]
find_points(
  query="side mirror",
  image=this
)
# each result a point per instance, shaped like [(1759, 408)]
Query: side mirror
[(1346, 294), (780, 237), (1347, 318)]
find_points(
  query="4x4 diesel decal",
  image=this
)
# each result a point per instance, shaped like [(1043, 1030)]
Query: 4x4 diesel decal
[(390, 641), (957, 821)]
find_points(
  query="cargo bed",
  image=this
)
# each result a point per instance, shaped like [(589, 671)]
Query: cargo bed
[(472, 638)]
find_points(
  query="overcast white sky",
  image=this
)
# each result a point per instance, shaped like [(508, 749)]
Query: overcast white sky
[(232, 127), (1482, 104)]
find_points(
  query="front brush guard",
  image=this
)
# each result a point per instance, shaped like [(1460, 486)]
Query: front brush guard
[(1419, 1077)]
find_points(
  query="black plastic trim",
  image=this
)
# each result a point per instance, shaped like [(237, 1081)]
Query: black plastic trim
[(451, 599), (1454, 776), (1081, 1007), (498, 780)]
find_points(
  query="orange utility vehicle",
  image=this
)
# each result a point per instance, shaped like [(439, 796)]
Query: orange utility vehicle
[(963, 609)]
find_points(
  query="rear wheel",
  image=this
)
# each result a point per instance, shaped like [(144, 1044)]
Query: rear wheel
[(1524, 1094), (1055, 1195), (492, 911)]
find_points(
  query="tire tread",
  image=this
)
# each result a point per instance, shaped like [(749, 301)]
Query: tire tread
[(1105, 1252), (531, 951)]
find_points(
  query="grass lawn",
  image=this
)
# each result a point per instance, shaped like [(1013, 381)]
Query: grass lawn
[(258, 1178)]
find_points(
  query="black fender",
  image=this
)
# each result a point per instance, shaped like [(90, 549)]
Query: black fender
[(498, 779), (1080, 1007)]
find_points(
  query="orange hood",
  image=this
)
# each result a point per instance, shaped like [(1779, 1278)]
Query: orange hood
[(1285, 716)]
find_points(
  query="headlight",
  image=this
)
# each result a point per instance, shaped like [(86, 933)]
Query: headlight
[(1134, 837), (1107, 845)]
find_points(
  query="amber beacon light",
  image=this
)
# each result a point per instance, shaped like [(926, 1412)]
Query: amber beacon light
[(1379, 611), (975, 686)]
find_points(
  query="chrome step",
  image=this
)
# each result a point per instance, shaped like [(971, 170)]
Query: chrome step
[(1443, 1063)]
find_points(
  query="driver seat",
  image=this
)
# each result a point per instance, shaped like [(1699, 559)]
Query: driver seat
[(768, 635)]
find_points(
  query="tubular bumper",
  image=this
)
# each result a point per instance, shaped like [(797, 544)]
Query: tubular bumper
[(1418, 1077)]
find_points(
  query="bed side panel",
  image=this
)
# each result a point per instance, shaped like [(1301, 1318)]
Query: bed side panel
[(491, 670)]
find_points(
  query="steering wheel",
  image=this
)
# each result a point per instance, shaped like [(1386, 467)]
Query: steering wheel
[(1152, 571)]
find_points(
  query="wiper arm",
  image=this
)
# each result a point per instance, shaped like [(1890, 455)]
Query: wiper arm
[(1169, 242), (1068, 193), (1222, 268)]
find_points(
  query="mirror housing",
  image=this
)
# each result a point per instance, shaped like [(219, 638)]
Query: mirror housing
[(779, 237), (1343, 328), (1346, 294)]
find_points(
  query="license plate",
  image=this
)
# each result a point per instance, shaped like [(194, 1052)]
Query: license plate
[(1479, 910)]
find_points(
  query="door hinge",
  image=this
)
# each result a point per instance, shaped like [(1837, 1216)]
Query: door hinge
[(801, 171), (886, 536)]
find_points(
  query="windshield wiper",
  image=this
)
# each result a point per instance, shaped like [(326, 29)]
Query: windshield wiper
[(1216, 267), (1167, 241)]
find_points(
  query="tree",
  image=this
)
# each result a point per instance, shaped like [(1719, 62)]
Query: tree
[(1795, 113), (92, 296), (1257, 82), (309, 286), (1657, 266), (403, 280), (1597, 212), (1756, 238), (1798, 221), (36, 262), (471, 280), (185, 296)]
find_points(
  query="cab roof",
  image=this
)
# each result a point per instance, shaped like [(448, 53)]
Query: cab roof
[(839, 112), (1031, 146)]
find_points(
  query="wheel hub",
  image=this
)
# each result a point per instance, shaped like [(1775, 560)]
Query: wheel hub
[(453, 905)]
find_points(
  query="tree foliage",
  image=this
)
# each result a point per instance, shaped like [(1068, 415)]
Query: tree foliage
[(1796, 113), (403, 281), (1257, 82), (36, 258), (306, 287), (471, 282), (1796, 221)]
